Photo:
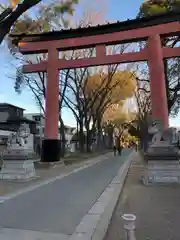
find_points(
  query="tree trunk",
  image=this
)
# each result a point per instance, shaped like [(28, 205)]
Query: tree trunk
[(99, 135), (88, 134), (110, 137), (7, 23), (63, 137), (93, 135), (88, 140), (81, 137), (77, 134)]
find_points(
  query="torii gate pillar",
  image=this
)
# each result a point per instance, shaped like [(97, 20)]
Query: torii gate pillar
[(157, 80), (51, 143)]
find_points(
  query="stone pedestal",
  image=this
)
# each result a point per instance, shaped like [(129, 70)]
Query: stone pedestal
[(162, 152), (163, 164), (163, 172), (18, 154), (17, 170), (18, 164)]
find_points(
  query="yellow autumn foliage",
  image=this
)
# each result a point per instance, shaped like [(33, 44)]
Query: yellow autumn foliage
[(110, 88), (13, 3), (115, 114)]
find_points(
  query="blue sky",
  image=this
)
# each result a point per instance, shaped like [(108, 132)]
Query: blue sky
[(116, 10)]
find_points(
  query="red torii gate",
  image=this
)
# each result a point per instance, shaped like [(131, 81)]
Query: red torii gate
[(150, 29)]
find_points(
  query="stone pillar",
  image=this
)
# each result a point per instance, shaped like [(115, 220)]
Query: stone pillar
[(157, 80), (51, 143)]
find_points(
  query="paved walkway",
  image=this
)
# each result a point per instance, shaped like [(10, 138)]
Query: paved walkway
[(157, 209), (10, 187), (58, 207)]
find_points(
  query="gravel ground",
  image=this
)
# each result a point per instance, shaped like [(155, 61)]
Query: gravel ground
[(157, 209)]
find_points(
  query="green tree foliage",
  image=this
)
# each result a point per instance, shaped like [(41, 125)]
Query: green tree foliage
[(154, 7)]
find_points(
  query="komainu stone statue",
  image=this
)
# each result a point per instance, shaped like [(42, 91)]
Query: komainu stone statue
[(164, 144), (18, 158), (18, 144), (19, 139), (163, 155)]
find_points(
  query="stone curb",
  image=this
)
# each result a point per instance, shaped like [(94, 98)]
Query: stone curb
[(94, 224)]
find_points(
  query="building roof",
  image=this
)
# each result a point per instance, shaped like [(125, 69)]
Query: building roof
[(10, 105), (99, 29), (20, 119), (33, 114)]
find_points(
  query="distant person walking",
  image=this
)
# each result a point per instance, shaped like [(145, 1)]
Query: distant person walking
[(117, 146), (114, 150)]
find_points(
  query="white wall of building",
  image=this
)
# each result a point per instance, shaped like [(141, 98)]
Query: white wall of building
[(5, 133)]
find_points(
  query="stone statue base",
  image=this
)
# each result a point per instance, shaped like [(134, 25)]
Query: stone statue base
[(18, 164), (162, 164), (18, 154), (17, 170), (162, 152), (162, 172)]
